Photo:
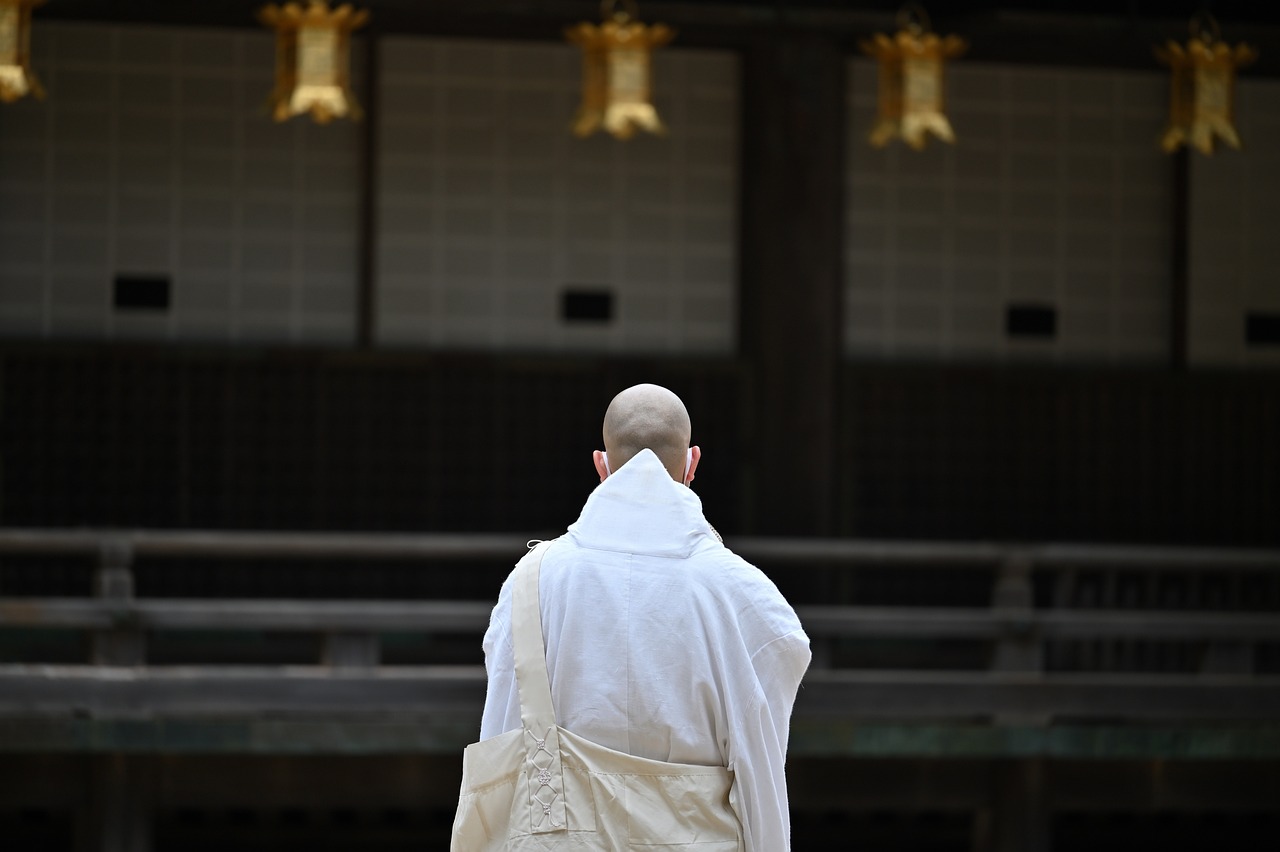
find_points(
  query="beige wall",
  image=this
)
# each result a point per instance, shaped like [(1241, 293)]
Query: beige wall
[(1054, 193), (154, 155), (1235, 234), (490, 208)]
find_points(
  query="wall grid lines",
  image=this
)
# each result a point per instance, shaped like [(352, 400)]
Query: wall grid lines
[(154, 155)]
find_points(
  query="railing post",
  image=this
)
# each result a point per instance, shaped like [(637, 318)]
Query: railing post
[(1019, 648), (122, 644)]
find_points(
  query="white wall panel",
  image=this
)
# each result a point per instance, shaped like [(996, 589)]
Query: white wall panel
[(154, 155), (490, 208), (1235, 234), (1054, 194)]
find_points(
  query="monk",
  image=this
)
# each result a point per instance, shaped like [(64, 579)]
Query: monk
[(661, 642)]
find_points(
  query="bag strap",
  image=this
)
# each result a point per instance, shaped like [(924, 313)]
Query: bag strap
[(534, 686), (537, 712)]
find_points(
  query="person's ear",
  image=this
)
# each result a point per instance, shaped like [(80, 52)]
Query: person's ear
[(598, 458), (695, 453)]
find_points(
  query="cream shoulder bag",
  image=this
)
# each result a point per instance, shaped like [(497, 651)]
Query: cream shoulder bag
[(545, 788)]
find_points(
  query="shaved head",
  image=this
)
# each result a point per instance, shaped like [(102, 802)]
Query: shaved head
[(647, 417)]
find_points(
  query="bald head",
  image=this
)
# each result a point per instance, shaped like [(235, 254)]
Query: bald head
[(647, 417)]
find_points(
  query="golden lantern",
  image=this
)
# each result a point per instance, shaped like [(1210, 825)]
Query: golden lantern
[(616, 73), (911, 82), (313, 59), (1202, 87), (16, 77)]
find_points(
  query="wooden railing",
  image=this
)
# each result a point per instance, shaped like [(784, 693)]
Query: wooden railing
[(348, 680)]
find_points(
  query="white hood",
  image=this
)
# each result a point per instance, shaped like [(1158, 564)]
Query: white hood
[(640, 502)]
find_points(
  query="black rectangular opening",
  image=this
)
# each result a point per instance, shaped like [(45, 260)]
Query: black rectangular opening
[(141, 292), (1031, 321), (1262, 329), (587, 306)]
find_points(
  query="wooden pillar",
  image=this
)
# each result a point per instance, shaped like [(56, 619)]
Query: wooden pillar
[(1180, 272), (116, 814), (1019, 649), (367, 284), (1019, 819), (1013, 603), (791, 263), (123, 644)]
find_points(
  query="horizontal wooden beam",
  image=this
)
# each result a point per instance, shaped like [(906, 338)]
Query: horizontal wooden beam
[(1156, 625), (1053, 33), (423, 733), (243, 691), (940, 622), (850, 696), (967, 554), (509, 546), (231, 615), (473, 616), (817, 737), (449, 733), (268, 545), (910, 695)]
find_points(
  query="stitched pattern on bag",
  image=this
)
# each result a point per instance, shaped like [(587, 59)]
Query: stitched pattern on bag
[(544, 776)]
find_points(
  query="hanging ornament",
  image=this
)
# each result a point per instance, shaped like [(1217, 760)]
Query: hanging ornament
[(1202, 82), (616, 73), (16, 77), (911, 80), (313, 59)]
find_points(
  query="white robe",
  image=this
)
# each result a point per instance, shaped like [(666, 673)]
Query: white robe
[(662, 643)]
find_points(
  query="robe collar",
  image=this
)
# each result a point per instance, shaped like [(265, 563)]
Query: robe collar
[(640, 509)]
